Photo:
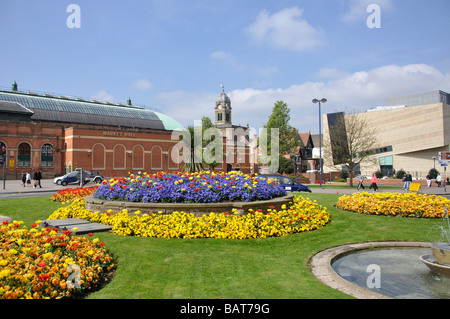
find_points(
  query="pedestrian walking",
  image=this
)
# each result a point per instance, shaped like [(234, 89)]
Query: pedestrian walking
[(374, 182), (37, 179), (439, 180), (24, 179), (28, 179), (429, 180), (360, 180)]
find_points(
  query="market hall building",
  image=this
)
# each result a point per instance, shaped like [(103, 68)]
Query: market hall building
[(57, 134)]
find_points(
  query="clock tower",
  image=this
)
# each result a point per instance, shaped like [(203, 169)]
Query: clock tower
[(223, 110)]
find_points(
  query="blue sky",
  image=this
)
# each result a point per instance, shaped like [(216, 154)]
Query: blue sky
[(173, 55)]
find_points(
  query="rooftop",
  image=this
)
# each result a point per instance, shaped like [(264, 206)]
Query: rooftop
[(48, 107)]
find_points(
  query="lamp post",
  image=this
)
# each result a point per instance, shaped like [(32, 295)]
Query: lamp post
[(315, 101)]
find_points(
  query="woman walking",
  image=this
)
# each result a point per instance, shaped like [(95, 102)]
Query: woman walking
[(374, 182)]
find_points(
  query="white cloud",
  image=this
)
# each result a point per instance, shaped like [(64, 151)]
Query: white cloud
[(331, 73), (143, 84), (285, 29), (222, 55), (357, 91), (358, 9), (102, 95)]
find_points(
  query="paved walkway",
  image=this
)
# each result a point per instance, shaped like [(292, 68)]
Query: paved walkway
[(434, 190), (15, 186)]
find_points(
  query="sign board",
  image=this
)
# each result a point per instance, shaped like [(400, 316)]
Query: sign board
[(414, 187), (11, 164), (444, 156)]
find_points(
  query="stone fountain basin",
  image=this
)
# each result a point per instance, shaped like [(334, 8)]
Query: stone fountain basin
[(435, 266), (441, 252)]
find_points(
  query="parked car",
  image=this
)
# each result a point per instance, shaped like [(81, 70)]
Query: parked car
[(71, 178), (94, 176), (288, 183)]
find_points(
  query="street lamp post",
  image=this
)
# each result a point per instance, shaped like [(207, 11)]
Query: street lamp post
[(315, 101)]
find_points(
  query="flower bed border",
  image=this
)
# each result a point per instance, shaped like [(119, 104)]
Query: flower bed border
[(198, 209)]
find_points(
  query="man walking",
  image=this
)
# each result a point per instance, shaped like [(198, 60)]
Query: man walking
[(360, 180)]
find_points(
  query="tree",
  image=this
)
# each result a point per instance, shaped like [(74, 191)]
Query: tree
[(210, 138), (286, 165), (193, 162), (288, 136), (350, 141)]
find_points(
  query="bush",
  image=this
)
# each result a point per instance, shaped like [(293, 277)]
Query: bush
[(433, 173), (344, 175), (400, 174), (379, 174)]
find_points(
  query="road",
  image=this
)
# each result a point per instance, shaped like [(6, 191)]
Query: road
[(14, 189)]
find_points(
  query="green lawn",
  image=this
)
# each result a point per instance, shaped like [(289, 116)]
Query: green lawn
[(271, 268)]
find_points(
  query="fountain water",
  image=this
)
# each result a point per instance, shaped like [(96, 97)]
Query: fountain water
[(439, 261)]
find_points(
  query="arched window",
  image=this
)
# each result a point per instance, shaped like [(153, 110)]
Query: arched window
[(24, 155), (47, 155)]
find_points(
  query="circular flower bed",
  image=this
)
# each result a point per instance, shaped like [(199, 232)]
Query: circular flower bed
[(302, 215), (395, 204), (43, 263), (202, 187), (69, 194)]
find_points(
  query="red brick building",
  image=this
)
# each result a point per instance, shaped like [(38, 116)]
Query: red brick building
[(58, 134)]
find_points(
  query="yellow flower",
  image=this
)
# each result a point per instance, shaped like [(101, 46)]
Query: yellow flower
[(47, 255)]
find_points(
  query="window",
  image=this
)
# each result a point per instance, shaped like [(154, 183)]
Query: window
[(227, 116), (387, 165), (219, 116), (24, 155), (47, 155)]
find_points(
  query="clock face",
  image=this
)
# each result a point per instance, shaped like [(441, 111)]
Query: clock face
[(220, 106)]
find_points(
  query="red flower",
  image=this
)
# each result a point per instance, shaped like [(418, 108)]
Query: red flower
[(5, 222), (42, 265), (43, 277), (197, 189), (90, 234)]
